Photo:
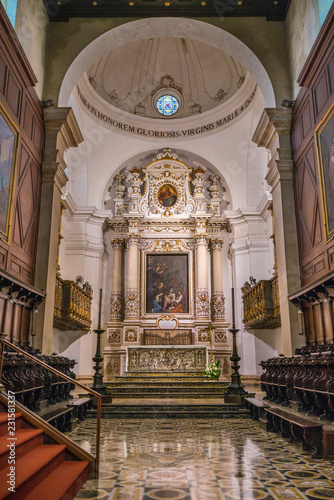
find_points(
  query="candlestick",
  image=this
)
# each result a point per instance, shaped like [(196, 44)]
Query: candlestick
[(100, 307), (233, 311)]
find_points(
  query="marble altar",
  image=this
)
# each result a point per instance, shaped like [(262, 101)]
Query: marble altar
[(166, 358)]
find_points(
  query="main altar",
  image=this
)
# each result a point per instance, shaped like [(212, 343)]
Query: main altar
[(166, 242)]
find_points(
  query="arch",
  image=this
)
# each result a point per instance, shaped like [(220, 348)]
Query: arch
[(167, 27)]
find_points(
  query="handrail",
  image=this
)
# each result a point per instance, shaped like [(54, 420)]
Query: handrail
[(52, 432), (69, 379)]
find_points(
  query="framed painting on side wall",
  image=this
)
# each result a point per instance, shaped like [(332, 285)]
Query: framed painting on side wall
[(324, 136), (9, 139)]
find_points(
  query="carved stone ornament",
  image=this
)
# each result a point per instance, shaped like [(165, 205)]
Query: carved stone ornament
[(220, 335), (169, 358), (113, 365), (203, 336), (132, 303), (167, 322), (167, 153), (116, 305), (202, 303), (114, 335), (131, 335), (218, 305)]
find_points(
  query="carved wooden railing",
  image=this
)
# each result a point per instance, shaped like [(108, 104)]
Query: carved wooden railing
[(261, 304), (72, 309)]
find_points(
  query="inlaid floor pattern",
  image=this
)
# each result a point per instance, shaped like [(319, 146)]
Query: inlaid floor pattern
[(194, 459)]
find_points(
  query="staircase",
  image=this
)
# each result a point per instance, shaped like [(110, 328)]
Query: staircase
[(39, 470), (168, 395)]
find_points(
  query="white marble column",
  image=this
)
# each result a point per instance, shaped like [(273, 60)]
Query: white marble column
[(116, 299), (218, 300), (202, 281), (132, 289)]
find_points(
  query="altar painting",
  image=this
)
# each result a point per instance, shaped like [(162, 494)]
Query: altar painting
[(167, 284)]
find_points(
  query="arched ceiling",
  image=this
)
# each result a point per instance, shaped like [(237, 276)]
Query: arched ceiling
[(133, 76)]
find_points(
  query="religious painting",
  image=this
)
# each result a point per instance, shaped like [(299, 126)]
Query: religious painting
[(167, 195), (325, 146), (167, 284), (8, 149)]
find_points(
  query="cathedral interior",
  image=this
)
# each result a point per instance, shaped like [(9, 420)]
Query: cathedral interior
[(167, 249)]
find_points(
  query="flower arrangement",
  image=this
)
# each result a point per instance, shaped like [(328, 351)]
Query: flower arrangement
[(213, 371)]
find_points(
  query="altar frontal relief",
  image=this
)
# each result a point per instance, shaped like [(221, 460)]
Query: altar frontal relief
[(167, 284)]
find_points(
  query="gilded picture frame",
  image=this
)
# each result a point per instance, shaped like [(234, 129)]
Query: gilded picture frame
[(167, 283), (9, 142), (324, 136)]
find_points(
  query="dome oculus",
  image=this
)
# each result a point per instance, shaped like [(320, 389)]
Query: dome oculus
[(167, 105)]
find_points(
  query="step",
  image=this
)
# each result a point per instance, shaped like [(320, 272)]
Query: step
[(4, 422), (32, 468), (177, 410), (166, 383), (164, 395), (26, 440), (64, 482)]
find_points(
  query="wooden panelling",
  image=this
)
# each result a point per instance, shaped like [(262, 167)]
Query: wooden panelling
[(312, 104), (321, 92), (331, 72), (14, 94), (3, 72), (21, 102)]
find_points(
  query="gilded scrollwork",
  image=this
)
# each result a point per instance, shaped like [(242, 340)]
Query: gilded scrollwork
[(132, 303), (202, 303), (221, 335), (116, 305), (131, 335), (218, 305), (114, 335)]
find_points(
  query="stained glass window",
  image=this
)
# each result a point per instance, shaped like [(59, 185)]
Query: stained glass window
[(167, 105)]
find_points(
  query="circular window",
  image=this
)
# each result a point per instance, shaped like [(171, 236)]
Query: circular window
[(167, 105), (167, 195)]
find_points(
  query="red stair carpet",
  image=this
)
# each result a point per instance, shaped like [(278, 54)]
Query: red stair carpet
[(41, 471)]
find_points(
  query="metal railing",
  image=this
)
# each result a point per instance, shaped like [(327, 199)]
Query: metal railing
[(4, 343)]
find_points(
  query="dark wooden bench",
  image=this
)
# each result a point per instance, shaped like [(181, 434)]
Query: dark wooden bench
[(293, 426), (79, 408), (60, 418), (255, 407)]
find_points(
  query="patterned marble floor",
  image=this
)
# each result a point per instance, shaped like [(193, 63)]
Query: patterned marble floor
[(193, 459)]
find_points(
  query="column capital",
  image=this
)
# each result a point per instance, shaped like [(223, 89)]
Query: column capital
[(216, 243), (117, 243), (132, 240), (201, 239)]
